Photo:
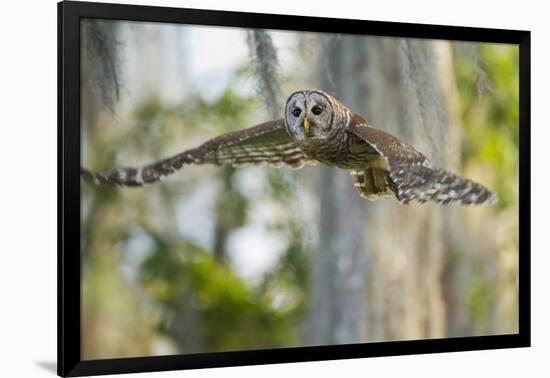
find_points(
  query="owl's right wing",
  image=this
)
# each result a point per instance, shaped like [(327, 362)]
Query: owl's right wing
[(409, 174), (265, 143)]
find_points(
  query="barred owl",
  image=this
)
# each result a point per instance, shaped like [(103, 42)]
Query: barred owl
[(317, 128)]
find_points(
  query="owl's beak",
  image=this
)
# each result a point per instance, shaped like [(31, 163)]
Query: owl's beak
[(306, 124)]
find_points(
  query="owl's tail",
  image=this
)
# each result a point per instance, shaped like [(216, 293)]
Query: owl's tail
[(422, 183)]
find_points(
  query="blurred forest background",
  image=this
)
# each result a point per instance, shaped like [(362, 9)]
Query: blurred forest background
[(219, 259)]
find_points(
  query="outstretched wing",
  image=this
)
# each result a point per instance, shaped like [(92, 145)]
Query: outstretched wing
[(265, 143), (411, 176)]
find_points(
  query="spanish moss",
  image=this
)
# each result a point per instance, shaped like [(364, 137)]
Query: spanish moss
[(100, 46), (265, 66)]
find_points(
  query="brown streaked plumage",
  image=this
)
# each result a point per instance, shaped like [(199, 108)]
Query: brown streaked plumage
[(319, 128)]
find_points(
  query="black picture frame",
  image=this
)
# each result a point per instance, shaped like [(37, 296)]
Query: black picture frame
[(69, 360)]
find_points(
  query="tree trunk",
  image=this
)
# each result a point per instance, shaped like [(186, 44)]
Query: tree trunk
[(411, 87), (338, 279)]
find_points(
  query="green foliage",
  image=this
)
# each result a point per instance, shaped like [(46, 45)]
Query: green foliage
[(489, 105), (235, 316), (228, 112), (287, 284), (487, 78), (479, 301), (231, 205)]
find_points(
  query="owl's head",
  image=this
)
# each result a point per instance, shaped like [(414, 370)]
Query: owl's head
[(309, 114)]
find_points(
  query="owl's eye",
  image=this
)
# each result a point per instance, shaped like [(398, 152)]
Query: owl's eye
[(317, 110), (296, 112)]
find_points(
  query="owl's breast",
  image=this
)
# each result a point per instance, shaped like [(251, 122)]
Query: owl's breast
[(342, 152), (321, 150)]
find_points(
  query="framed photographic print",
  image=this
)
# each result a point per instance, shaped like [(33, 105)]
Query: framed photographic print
[(240, 188)]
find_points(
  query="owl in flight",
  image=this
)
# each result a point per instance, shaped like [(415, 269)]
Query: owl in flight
[(317, 128)]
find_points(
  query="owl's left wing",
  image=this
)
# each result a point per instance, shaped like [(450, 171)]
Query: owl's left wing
[(265, 143), (411, 176)]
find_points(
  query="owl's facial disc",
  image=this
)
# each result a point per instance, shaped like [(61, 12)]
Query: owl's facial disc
[(308, 115)]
